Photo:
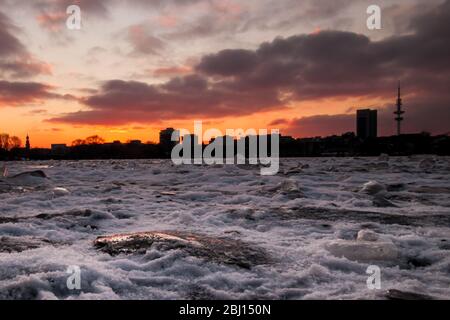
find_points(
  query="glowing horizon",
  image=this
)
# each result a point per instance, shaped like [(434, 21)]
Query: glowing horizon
[(136, 68)]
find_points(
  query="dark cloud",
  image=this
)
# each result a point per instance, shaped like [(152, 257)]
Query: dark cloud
[(228, 63), (325, 65), (24, 68), (121, 102), (19, 93), (15, 60), (334, 63), (9, 44), (278, 122)]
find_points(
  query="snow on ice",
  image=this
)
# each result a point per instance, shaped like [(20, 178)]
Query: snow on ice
[(147, 229)]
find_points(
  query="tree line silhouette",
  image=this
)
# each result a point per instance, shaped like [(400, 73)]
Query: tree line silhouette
[(8, 142), (92, 140)]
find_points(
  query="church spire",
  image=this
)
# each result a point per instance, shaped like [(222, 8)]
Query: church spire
[(27, 144)]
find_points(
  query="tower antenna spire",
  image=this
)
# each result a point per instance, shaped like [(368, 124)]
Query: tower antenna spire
[(399, 112)]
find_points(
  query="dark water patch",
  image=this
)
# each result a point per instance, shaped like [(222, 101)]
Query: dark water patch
[(361, 216)]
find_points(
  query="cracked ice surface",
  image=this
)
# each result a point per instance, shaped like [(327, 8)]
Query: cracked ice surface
[(225, 232)]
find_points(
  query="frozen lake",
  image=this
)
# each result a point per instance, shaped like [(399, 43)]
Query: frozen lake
[(225, 232)]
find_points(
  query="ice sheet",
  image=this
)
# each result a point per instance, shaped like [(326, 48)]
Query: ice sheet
[(294, 217)]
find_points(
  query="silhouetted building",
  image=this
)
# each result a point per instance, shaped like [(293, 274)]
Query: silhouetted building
[(399, 112), (345, 145), (135, 142), (165, 138), (366, 123), (192, 143), (114, 143), (59, 149), (191, 138)]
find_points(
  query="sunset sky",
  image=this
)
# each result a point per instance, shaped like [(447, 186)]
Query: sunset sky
[(302, 66)]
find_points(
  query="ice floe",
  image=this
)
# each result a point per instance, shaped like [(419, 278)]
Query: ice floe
[(373, 187)]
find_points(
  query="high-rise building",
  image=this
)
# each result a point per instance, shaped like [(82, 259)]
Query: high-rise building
[(165, 137), (366, 123), (165, 140), (192, 145)]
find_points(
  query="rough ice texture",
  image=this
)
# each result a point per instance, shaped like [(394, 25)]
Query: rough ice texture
[(367, 235), (219, 250), (233, 233), (363, 250)]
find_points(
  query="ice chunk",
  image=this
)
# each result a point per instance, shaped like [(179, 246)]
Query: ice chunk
[(60, 192), (4, 172), (289, 185), (380, 201), (373, 187), (367, 235), (29, 178), (426, 164), (383, 157), (37, 173), (363, 251), (219, 250), (394, 294)]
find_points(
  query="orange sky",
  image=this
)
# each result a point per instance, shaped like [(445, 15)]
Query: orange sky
[(43, 134), (218, 60)]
